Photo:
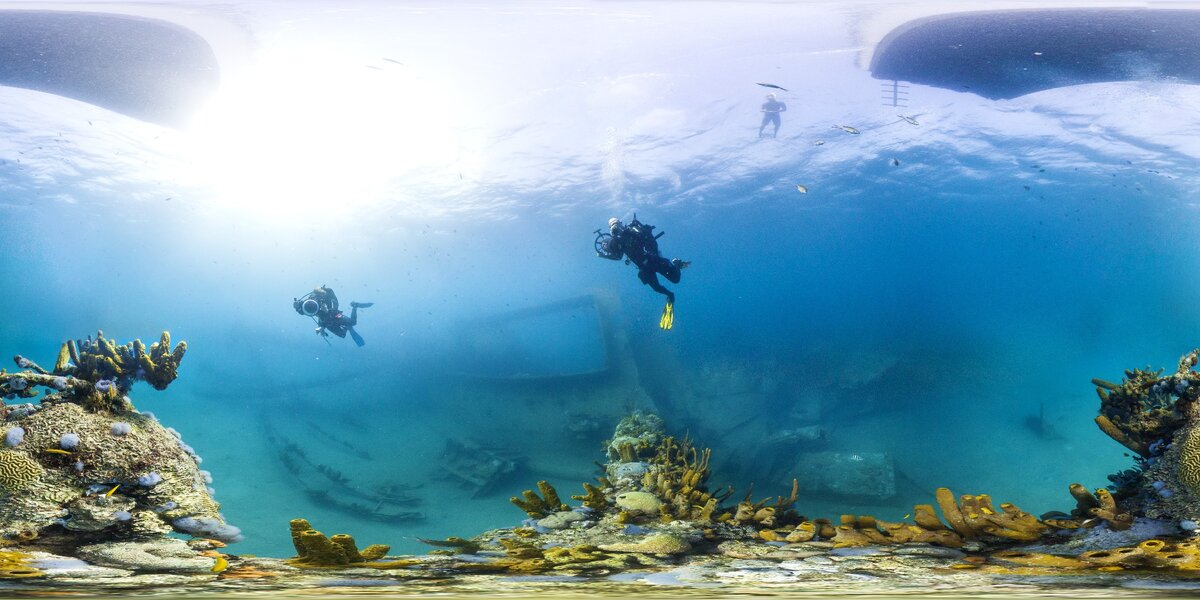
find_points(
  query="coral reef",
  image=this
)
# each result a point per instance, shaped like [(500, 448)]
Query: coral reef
[(85, 467), (657, 503), (636, 436), (85, 473), (104, 488), (1147, 407), (96, 373), (1156, 416)]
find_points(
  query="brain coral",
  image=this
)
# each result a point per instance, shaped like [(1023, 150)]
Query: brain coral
[(17, 471), (1189, 461)]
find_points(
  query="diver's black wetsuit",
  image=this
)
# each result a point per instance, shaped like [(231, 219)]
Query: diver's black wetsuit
[(636, 242), (330, 317)]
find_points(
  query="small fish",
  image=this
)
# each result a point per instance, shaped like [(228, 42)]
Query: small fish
[(392, 60), (819, 143), (109, 493), (895, 162), (56, 451), (847, 129), (911, 120), (801, 188), (374, 67), (771, 85)]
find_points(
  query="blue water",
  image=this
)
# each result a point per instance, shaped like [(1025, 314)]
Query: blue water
[(930, 310)]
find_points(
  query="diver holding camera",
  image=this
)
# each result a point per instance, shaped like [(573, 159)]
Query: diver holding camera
[(638, 244), (321, 305)]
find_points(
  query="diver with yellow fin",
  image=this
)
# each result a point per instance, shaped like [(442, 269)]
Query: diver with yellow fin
[(638, 244)]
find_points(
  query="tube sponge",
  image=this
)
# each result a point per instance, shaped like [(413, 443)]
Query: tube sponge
[(68, 441)]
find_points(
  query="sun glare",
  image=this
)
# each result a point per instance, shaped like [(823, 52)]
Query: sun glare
[(310, 133)]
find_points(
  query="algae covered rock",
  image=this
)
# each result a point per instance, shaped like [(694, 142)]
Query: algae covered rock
[(659, 543), (561, 520), (163, 554)]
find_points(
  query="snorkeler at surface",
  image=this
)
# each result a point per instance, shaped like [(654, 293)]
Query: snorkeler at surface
[(322, 305), (638, 244), (770, 110)]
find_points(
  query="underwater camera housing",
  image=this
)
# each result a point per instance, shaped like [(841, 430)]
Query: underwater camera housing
[(603, 241), (306, 306)]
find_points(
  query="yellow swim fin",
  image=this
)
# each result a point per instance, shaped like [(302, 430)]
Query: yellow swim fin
[(668, 316)]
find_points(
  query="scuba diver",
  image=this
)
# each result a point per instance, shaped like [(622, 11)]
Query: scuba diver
[(638, 244), (322, 305)]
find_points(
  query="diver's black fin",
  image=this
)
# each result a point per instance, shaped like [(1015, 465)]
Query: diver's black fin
[(357, 338), (362, 304)]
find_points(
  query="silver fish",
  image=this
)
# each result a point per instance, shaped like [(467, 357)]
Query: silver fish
[(801, 188), (911, 120), (847, 129)]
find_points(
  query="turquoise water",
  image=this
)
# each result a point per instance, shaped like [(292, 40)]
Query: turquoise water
[(944, 314)]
